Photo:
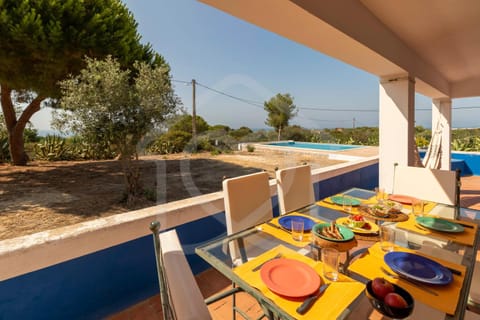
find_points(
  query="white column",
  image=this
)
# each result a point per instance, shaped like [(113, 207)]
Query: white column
[(396, 126), (442, 114)]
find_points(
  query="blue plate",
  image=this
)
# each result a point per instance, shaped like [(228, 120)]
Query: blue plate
[(418, 268), (286, 222)]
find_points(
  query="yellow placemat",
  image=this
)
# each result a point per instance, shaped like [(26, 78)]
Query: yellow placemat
[(284, 235), (328, 203), (467, 237), (329, 306), (447, 299)]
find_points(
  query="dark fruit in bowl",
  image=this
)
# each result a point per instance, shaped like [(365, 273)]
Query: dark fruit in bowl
[(392, 305), (395, 300), (381, 287)]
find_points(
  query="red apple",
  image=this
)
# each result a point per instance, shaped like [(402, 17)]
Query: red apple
[(381, 287), (395, 300)]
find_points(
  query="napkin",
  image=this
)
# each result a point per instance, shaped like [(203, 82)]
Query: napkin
[(467, 237), (329, 306), (447, 299)]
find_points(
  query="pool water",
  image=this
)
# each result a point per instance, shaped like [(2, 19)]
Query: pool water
[(315, 146)]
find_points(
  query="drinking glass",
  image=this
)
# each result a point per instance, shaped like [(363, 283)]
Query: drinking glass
[(417, 207), (387, 238), (330, 259), (347, 203), (297, 229), (380, 194)]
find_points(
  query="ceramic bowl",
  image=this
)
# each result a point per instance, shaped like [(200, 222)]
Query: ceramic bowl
[(383, 308)]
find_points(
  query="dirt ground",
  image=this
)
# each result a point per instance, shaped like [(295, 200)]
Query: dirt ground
[(47, 195)]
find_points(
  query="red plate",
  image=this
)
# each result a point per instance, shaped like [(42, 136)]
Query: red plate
[(290, 278), (401, 198)]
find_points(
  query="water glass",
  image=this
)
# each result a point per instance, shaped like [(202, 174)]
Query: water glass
[(330, 259), (417, 207), (297, 229), (380, 194), (387, 238), (347, 203)]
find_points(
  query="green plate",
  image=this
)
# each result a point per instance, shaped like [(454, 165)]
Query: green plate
[(339, 200), (344, 231), (439, 224)]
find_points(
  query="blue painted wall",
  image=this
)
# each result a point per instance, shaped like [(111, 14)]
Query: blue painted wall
[(105, 282)]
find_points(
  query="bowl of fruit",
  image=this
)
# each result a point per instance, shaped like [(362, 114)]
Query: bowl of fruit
[(389, 299)]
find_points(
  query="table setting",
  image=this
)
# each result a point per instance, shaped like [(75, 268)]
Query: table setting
[(427, 279), (293, 276), (296, 284)]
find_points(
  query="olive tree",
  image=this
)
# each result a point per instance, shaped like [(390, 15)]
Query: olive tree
[(118, 106), (280, 109), (42, 41)]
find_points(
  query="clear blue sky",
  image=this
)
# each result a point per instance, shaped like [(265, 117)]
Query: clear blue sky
[(245, 61)]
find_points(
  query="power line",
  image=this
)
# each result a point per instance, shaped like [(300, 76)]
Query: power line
[(250, 102), (326, 108)]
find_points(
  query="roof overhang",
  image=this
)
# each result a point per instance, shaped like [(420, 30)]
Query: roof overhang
[(436, 42)]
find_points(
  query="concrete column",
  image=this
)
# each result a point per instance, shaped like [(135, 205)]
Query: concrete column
[(442, 117), (396, 126)]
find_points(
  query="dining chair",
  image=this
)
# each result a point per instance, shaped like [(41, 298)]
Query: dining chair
[(474, 294), (435, 185), (180, 295), (294, 188), (247, 203)]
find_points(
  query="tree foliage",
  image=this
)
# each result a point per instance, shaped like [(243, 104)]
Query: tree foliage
[(116, 106), (280, 110), (184, 123), (45, 40)]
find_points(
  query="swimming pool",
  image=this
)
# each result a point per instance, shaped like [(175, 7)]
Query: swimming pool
[(315, 146)]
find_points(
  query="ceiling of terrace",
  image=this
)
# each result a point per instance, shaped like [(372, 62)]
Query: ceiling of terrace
[(435, 41)]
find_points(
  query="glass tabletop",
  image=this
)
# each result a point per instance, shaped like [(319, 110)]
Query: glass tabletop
[(256, 241)]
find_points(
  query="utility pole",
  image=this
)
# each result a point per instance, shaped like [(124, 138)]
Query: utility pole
[(194, 117), (353, 123)]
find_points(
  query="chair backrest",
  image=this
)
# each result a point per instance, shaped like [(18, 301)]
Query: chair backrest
[(429, 184), (184, 295), (295, 188), (247, 203)]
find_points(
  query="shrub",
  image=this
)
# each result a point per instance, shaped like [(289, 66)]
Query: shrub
[(250, 148), (53, 148), (4, 150), (171, 142)]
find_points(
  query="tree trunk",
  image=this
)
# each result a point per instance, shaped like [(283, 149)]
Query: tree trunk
[(279, 133), (16, 127)]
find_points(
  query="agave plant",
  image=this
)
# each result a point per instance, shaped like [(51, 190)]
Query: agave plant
[(53, 148)]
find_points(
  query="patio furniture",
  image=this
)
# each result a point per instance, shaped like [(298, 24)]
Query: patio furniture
[(346, 299), (295, 188), (440, 186), (247, 203), (180, 295)]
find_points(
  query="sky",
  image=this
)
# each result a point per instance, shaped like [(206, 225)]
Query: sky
[(237, 59)]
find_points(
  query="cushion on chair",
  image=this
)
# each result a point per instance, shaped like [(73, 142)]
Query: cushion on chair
[(427, 184), (247, 201), (188, 301), (295, 188)]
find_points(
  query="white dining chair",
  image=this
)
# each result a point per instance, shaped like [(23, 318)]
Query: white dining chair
[(294, 188), (180, 295), (247, 203), (441, 186)]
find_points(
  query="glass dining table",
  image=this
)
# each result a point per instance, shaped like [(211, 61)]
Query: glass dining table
[(362, 260)]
